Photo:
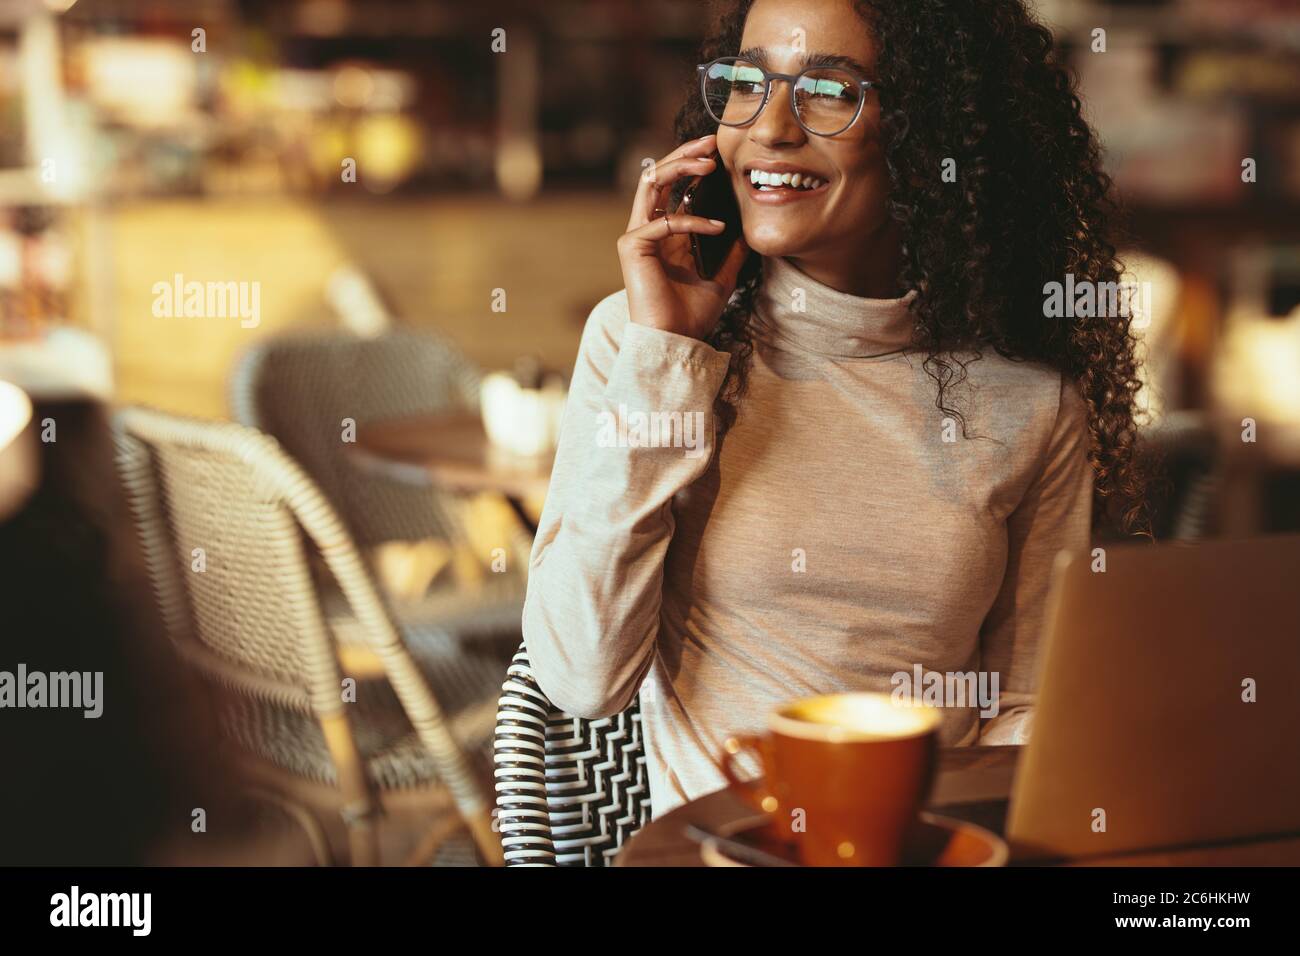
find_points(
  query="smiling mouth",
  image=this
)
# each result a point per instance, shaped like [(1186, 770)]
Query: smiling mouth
[(767, 182)]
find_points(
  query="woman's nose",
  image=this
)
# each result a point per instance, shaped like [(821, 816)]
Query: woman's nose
[(776, 124)]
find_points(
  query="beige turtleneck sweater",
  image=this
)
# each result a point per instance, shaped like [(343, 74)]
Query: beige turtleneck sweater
[(840, 534)]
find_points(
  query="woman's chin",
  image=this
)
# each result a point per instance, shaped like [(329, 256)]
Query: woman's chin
[(771, 242)]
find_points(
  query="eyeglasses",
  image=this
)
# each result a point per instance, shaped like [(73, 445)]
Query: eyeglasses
[(826, 100)]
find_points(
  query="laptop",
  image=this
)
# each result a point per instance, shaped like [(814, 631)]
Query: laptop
[(1168, 707)]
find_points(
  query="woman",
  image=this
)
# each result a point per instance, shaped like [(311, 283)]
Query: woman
[(897, 436)]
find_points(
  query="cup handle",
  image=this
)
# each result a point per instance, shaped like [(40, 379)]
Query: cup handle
[(753, 792)]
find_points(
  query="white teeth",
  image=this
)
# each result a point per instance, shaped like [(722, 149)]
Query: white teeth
[(760, 177)]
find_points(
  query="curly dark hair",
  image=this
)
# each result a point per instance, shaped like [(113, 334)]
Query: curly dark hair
[(979, 81)]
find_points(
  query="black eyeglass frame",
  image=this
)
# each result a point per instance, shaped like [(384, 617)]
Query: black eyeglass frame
[(790, 79)]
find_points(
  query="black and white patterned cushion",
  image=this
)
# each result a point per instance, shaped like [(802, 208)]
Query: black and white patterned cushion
[(570, 792)]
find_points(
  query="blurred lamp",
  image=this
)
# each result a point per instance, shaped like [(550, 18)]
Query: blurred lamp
[(1257, 370), (19, 469), (145, 81)]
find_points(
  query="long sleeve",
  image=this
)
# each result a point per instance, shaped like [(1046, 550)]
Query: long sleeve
[(638, 427), (1054, 515)]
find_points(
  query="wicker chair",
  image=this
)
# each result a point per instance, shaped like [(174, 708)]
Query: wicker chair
[(570, 792), (249, 619), (300, 388)]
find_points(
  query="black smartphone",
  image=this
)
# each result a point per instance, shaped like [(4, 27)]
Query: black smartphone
[(712, 197)]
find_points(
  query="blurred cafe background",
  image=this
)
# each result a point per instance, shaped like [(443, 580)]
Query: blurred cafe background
[(400, 213)]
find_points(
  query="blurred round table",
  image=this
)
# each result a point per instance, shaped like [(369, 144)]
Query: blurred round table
[(451, 450), (973, 784)]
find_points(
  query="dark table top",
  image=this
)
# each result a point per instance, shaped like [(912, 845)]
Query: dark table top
[(972, 785)]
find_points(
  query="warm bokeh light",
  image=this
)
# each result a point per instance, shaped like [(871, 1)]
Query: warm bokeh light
[(15, 412)]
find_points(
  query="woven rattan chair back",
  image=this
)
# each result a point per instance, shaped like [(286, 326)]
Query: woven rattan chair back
[(223, 515), (302, 388), (226, 555), (570, 791)]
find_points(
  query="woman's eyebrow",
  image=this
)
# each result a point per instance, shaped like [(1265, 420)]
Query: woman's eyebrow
[(759, 55)]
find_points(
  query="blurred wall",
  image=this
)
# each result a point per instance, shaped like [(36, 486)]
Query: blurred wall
[(437, 261)]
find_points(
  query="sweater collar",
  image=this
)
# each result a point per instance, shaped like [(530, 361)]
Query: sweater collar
[(793, 310)]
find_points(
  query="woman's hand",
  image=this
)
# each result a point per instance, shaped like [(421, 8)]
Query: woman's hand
[(663, 289)]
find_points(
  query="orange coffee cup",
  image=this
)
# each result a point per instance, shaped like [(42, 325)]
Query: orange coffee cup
[(844, 775)]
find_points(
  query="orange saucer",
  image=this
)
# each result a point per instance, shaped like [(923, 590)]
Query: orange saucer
[(934, 841)]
